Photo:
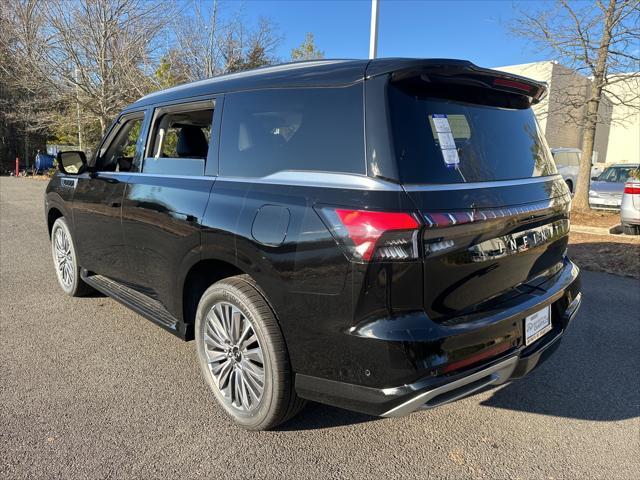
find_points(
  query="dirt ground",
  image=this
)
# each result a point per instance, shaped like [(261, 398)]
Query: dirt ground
[(595, 218), (619, 255)]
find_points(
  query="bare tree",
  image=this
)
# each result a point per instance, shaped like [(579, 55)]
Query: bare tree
[(95, 54), (69, 66), (599, 40), (214, 41)]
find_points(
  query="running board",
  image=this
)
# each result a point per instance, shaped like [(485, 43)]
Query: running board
[(136, 301)]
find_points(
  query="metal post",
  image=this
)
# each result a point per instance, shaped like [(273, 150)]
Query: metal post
[(17, 167), (373, 37)]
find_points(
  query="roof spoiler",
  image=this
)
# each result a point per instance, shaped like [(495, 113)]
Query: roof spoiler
[(457, 71)]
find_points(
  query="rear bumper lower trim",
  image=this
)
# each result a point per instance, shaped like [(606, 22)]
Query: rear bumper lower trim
[(449, 392)]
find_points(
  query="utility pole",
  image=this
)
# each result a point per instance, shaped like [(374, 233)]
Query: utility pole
[(373, 37)]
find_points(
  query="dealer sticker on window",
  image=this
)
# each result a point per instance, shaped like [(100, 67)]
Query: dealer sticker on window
[(445, 139)]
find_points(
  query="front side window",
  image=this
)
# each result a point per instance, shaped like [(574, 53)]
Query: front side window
[(179, 141), (311, 129), (120, 152), (440, 139)]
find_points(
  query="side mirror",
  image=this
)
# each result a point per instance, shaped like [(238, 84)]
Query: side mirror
[(71, 163)]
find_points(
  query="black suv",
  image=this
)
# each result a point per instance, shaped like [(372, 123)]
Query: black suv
[(383, 236)]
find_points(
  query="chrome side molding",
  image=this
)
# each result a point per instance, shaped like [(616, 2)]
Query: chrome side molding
[(320, 179), (477, 185)]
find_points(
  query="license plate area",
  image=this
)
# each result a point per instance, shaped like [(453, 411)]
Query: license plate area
[(537, 324)]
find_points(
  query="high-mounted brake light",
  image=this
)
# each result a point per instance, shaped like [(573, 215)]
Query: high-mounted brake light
[(503, 82), (369, 235), (632, 188)]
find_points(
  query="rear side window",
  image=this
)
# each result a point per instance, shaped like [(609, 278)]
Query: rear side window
[(442, 140), (179, 140), (267, 131)]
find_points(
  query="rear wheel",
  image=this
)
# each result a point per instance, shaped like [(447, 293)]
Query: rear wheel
[(243, 355), (631, 229), (65, 260)]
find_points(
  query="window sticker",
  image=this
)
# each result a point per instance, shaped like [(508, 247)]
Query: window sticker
[(447, 143)]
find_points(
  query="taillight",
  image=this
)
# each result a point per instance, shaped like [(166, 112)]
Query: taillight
[(632, 188), (373, 236)]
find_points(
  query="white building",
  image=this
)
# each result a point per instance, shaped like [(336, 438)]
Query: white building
[(618, 130)]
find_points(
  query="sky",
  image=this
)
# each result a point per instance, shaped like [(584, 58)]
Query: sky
[(475, 30)]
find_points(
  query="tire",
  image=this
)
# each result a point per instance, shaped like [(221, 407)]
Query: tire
[(231, 360), (631, 229), (67, 268)]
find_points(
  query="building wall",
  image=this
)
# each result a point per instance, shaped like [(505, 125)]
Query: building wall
[(624, 135), (542, 72), (618, 131), (565, 112)]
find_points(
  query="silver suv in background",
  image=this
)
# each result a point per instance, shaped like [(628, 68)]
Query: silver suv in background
[(606, 190), (630, 207), (568, 165)]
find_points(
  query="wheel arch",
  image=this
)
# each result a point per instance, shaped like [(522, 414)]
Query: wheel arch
[(570, 184), (53, 214), (200, 276)]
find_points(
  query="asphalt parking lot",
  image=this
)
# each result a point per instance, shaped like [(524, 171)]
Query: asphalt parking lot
[(89, 389)]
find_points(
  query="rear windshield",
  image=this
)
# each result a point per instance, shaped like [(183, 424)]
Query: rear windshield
[(441, 140), (617, 174)]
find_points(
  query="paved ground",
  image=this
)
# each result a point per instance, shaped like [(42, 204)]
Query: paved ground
[(89, 389)]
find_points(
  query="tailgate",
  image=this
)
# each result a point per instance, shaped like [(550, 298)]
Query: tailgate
[(476, 258)]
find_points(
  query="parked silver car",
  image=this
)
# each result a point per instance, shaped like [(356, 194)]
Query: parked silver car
[(568, 164), (606, 189), (630, 208)]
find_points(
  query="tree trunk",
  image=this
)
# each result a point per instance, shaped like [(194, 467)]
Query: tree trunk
[(581, 198), (103, 125)]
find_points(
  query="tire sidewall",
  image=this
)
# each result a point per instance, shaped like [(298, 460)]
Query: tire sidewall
[(72, 289), (222, 292)]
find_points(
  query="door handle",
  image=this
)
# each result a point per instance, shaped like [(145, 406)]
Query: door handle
[(184, 216)]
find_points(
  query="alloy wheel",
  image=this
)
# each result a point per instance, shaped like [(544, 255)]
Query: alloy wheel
[(234, 357), (63, 257)]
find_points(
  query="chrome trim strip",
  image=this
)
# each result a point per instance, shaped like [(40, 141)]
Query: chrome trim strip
[(68, 182), (320, 179), (477, 185), (161, 175), (498, 373), (574, 306), (291, 177)]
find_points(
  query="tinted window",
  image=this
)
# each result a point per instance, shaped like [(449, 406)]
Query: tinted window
[(267, 131), (441, 140), (180, 143)]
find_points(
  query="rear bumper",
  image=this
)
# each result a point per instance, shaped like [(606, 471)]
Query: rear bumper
[(629, 214), (436, 388), (598, 203)]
